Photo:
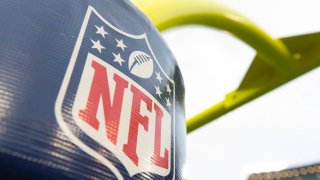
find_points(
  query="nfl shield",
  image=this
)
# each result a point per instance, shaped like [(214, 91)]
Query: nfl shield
[(123, 102)]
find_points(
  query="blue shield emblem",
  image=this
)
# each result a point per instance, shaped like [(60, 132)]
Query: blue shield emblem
[(122, 101)]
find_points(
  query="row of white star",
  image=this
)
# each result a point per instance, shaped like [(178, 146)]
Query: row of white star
[(97, 45), (158, 92)]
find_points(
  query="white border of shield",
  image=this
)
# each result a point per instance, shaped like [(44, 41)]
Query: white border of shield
[(64, 87)]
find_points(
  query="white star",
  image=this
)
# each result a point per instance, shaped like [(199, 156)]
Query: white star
[(168, 102), (97, 45), (101, 31), (158, 92), (121, 44), (118, 59), (168, 89), (159, 77)]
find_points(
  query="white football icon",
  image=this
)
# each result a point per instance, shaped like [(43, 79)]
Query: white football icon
[(141, 64)]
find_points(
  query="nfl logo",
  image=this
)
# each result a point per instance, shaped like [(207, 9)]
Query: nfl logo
[(116, 98)]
